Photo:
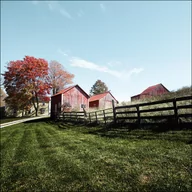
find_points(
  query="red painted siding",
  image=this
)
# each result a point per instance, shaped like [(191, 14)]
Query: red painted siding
[(55, 104), (94, 104), (102, 101), (73, 96), (151, 91)]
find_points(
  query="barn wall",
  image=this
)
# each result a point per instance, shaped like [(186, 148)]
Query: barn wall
[(55, 104), (134, 98), (106, 102), (159, 90), (75, 97), (94, 104)]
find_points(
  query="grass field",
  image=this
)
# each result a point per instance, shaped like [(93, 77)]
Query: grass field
[(45, 156)]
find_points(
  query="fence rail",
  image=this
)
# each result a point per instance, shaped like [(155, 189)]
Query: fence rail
[(177, 110), (157, 111)]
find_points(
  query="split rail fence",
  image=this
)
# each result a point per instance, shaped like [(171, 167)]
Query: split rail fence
[(174, 111)]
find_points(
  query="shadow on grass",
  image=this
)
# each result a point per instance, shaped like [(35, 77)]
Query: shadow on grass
[(46, 119), (141, 134), (169, 132)]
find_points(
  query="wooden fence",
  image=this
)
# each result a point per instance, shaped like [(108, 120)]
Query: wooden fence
[(158, 111), (98, 117), (174, 111)]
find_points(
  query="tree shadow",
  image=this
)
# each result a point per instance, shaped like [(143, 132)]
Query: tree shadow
[(149, 132), (46, 119)]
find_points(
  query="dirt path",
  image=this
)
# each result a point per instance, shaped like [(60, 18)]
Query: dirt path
[(20, 121)]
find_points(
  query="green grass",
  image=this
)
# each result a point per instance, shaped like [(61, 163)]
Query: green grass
[(45, 156)]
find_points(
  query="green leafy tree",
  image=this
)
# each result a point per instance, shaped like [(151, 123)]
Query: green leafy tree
[(98, 88)]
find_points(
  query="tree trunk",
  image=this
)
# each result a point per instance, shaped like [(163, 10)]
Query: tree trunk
[(35, 101)]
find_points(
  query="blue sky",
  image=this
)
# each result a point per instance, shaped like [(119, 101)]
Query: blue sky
[(129, 45)]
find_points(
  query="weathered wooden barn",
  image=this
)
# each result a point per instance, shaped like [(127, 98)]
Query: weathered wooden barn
[(154, 90), (69, 99), (102, 101)]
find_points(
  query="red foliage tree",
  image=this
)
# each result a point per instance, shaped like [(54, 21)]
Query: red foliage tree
[(59, 77), (27, 81)]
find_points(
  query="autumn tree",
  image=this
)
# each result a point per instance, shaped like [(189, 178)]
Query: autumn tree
[(26, 81), (59, 77), (98, 88)]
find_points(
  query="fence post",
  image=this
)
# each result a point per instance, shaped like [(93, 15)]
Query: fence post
[(63, 116), (138, 116), (175, 110), (76, 116), (114, 113), (96, 116), (89, 118), (104, 116)]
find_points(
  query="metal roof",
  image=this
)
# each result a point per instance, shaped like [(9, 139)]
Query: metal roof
[(69, 88), (100, 96), (149, 89)]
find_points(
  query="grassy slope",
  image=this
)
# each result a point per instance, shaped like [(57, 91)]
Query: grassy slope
[(40, 156)]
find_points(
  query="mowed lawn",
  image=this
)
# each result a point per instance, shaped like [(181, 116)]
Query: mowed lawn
[(46, 156)]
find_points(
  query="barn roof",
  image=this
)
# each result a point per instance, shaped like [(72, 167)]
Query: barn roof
[(149, 89), (69, 88), (100, 96)]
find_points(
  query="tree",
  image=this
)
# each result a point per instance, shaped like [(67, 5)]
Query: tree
[(59, 77), (26, 81), (98, 88)]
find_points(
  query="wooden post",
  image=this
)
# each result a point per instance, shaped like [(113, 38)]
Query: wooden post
[(89, 118), (76, 116), (175, 110), (96, 116), (138, 116), (114, 113), (85, 113), (63, 116), (104, 116)]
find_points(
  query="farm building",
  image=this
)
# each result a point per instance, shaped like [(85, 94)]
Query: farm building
[(2, 103), (102, 101), (71, 98), (154, 90)]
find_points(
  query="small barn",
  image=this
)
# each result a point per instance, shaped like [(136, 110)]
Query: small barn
[(154, 90), (102, 101), (69, 99), (2, 103)]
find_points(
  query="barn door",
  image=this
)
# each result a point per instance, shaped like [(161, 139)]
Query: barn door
[(55, 109)]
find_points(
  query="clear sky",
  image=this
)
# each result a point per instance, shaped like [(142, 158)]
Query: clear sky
[(129, 45)]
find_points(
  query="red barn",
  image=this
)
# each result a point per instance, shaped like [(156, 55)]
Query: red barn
[(71, 98), (103, 100), (154, 90)]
